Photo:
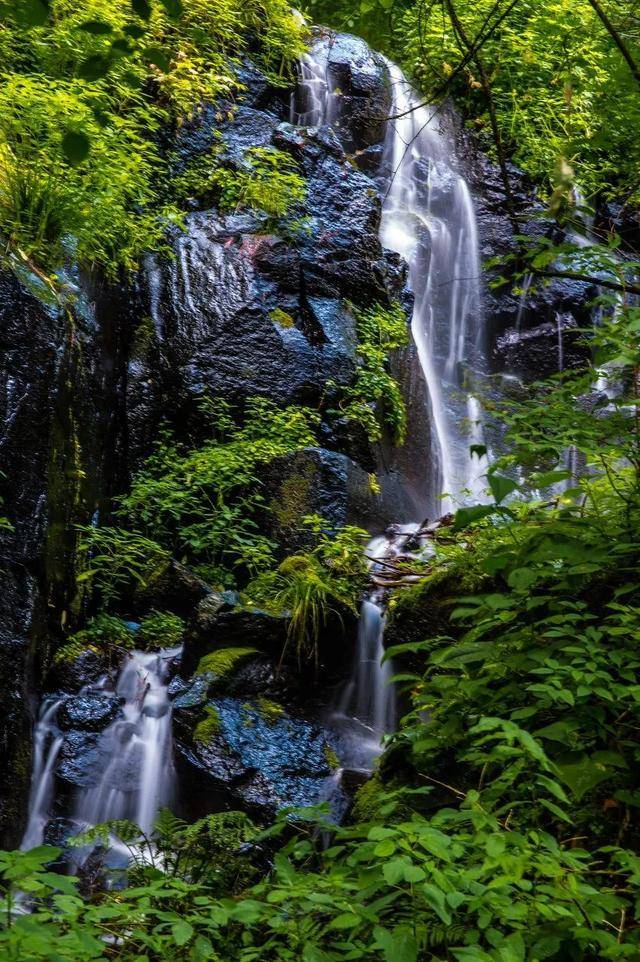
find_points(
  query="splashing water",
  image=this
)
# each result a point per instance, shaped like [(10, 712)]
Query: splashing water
[(136, 776)]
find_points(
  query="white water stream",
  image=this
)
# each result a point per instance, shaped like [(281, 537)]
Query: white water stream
[(136, 776), (428, 218)]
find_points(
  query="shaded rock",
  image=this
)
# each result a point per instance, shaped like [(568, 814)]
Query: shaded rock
[(91, 712), (544, 350), (360, 80), (58, 831), (172, 587), (81, 760), (220, 622), (86, 669), (313, 481)]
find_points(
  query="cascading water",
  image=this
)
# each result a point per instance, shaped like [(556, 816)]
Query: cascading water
[(136, 770), (428, 218), (138, 777), (47, 743)]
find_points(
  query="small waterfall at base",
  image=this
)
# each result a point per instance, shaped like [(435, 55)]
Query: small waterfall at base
[(366, 708), (136, 775), (47, 743)]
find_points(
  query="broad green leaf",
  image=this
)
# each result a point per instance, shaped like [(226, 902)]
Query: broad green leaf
[(76, 146), (501, 486)]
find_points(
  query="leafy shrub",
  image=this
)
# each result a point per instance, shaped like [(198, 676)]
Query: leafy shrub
[(201, 503), (85, 92), (104, 634), (308, 588), (118, 558), (160, 629), (374, 400), (267, 181)]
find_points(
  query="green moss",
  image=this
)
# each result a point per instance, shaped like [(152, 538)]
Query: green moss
[(224, 661), (281, 318), (368, 800), (332, 757), (269, 711), (292, 503), (208, 727)]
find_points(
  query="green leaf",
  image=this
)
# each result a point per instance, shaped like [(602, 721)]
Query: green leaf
[(182, 931), (96, 27), (501, 486), (435, 898), (479, 450), (94, 68), (31, 13), (76, 146), (582, 774), (397, 946), (467, 516), (142, 8), (173, 7), (158, 57)]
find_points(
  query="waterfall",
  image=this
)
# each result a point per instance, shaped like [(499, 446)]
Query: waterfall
[(428, 218), (138, 777), (47, 743)]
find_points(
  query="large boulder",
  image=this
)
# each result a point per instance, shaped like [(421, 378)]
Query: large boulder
[(361, 98), (220, 621), (254, 760)]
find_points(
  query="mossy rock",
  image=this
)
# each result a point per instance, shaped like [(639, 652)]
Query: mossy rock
[(422, 611), (224, 662)]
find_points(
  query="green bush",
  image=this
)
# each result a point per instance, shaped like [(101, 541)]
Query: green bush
[(84, 93), (104, 634), (160, 629), (308, 588)]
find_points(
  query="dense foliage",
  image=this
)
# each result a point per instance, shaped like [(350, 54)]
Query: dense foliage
[(374, 400), (549, 70), (85, 89)]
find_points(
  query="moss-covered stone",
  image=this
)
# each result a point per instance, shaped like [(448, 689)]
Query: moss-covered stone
[(223, 662), (208, 727), (270, 711)]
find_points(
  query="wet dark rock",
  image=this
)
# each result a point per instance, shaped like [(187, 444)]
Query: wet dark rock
[(173, 587), (58, 831), (91, 712), (81, 760), (262, 765), (543, 350), (360, 79), (86, 669), (313, 481), (221, 622)]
